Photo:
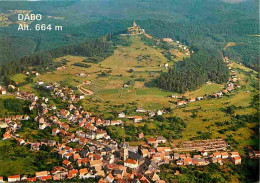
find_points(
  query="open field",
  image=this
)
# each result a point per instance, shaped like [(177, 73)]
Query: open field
[(18, 78)]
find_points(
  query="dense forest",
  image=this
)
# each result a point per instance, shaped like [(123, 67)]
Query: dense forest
[(43, 61), (203, 66)]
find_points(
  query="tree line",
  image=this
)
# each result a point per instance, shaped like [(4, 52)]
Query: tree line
[(203, 66), (43, 61)]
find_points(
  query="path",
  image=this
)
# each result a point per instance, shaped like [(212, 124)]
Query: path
[(83, 90)]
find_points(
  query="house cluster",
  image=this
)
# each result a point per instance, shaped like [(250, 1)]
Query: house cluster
[(28, 73), (204, 158), (3, 90), (179, 45), (254, 154), (232, 83), (57, 91), (138, 118), (96, 155), (11, 124), (182, 102)]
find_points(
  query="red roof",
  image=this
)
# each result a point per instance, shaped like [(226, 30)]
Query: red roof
[(83, 171), (66, 162), (130, 161), (48, 177), (14, 177), (237, 158)]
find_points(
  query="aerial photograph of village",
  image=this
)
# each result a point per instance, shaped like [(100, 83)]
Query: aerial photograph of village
[(129, 91)]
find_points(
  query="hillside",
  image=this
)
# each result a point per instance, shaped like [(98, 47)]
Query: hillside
[(112, 79), (209, 24)]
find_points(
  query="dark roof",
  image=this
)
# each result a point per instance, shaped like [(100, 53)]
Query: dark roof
[(133, 155)]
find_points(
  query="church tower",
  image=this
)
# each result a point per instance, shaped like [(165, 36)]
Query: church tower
[(134, 24)]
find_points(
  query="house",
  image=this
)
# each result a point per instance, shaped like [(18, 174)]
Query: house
[(121, 115), (237, 160), (224, 155), (20, 141), (100, 134), (45, 178), (204, 153), (141, 135), (225, 91), (131, 163), (2, 91), (214, 160), (159, 113), (110, 178), (83, 173), (139, 109), (66, 162), (182, 156), (179, 163), (42, 126), (168, 40), (195, 161), (174, 96), (180, 103), (137, 119), (117, 122), (14, 178), (197, 156), (151, 114), (187, 161), (35, 146), (234, 154), (12, 87), (152, 141), (55, 131), (155, 177), (72, 173), (176, 156), (219, 161), (32, 179), (202, 162), (95, 163), (199, 98), (145, 153), (39, 83), (217, 155), (192, 99), (160, 139), (257, 153), (64, 113)]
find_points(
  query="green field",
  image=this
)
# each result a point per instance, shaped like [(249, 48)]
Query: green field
[(18, 78)]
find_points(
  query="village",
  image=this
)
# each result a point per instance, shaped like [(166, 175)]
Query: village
[(99, 156)]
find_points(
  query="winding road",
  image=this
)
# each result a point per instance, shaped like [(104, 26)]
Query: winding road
[(83, 90)]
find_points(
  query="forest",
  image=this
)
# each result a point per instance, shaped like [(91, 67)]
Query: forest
[(43, 61), (204, 65)]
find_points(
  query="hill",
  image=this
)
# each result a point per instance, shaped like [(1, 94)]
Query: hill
[(111, 74), (209, 24)]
